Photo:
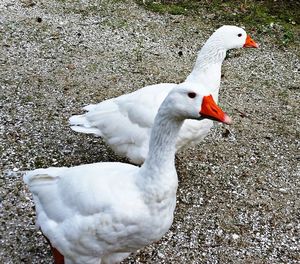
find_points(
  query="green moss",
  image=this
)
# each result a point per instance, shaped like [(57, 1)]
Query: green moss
[(288, 36), (280, 19), (171, 7)]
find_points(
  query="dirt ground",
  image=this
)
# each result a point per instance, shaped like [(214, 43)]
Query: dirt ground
[(238, 196)]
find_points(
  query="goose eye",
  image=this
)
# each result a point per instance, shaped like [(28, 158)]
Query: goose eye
[(240, 34), (191, 94)]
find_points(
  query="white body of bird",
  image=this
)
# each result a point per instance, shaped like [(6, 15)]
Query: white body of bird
[(100, 213), (125, 122)]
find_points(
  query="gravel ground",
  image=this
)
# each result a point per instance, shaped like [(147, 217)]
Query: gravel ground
[(238, 197)]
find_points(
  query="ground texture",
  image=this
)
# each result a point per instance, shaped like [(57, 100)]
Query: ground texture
[(238, 196)]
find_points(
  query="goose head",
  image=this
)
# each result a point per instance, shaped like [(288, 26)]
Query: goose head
[(231, 37), (186, 102)]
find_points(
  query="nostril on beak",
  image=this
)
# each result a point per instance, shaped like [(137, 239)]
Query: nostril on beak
[(215, 110)]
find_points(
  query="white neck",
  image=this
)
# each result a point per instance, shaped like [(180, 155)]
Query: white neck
[(207, 69), (158, 170)]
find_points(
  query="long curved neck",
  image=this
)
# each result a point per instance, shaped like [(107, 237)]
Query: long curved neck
[(207, 69), (159, 165)]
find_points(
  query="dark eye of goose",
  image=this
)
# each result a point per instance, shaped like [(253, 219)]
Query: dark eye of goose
[(240, 34), (191, 94)]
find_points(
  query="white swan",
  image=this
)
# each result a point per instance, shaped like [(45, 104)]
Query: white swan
[(101, 212), (125, 122)]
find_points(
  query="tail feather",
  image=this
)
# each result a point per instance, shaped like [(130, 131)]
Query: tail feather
[(42, 176), (95, 118), (79, 123), (78, 120), (87, 130), (45, 186)]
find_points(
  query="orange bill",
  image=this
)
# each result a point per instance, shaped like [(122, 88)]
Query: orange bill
[(210, 110), (250, 43)]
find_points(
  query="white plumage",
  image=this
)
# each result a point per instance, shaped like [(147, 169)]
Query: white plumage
[(100, 213), (125, 122)]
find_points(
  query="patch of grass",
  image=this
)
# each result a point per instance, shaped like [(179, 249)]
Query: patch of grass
[(288, 36), (172, 7), (279, 19)]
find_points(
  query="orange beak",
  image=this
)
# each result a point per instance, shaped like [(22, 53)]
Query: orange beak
[(210, 110), (250, 43)]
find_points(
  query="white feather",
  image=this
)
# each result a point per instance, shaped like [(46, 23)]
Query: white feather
[(125, 122), (103, 211)]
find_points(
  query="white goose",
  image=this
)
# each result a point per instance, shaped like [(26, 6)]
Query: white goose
[(125, 122), (101, 212)]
